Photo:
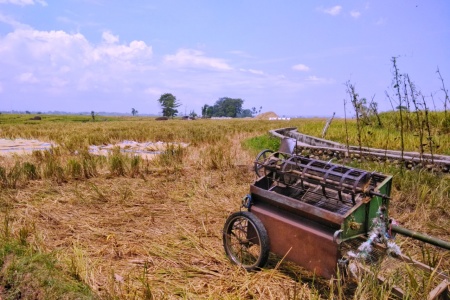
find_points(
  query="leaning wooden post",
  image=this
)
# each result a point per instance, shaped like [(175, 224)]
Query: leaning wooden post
[(324, 131)]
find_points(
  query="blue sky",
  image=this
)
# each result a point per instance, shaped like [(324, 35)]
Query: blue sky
[(291, 57)]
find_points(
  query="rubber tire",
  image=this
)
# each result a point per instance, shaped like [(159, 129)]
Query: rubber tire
[(261, 235)]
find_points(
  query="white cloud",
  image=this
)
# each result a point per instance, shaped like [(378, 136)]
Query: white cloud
[(111, 50), (70, 50), (252, 71), (300, 67), (318, 80), (313, 78), (196, 58), (12, 22), (334, 11), (153, 91), (355, 14), (55, 59), (27, 78), (109, 38), (257, 72), (24, 2)]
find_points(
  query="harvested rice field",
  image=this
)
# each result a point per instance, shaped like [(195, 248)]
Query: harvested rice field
[(78, 225)]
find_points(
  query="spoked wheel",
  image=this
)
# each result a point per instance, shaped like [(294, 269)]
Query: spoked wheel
[(275, 163), (246, 241), (261, 158)]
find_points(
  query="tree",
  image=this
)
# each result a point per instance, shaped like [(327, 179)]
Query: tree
[(169, 104), (134, 112), (204, 110), (207, 111), (193, 114), (227, 107), (255, 111), (210, 111), (245, 113), (93, 115)]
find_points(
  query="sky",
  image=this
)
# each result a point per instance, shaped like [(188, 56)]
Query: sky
[(290, 57)]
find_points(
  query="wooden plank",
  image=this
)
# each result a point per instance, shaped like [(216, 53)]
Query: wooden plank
[(443, 287), (415, 263)]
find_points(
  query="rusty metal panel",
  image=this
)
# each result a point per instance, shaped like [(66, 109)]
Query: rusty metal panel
[(299, 240), (296, 207)]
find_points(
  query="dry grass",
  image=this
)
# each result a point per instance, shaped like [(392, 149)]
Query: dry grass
[(157, 233)]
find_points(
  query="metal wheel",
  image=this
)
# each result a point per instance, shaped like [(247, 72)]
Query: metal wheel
[(259, 162), (274, 164), (246, 241)]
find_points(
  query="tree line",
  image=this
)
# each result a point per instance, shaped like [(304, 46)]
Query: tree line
[(223, 107)]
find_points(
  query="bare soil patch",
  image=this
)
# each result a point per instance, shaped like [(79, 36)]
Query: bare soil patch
[(146, 150), (22, 146)]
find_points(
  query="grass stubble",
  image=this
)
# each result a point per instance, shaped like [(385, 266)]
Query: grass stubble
[(142, 229)]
